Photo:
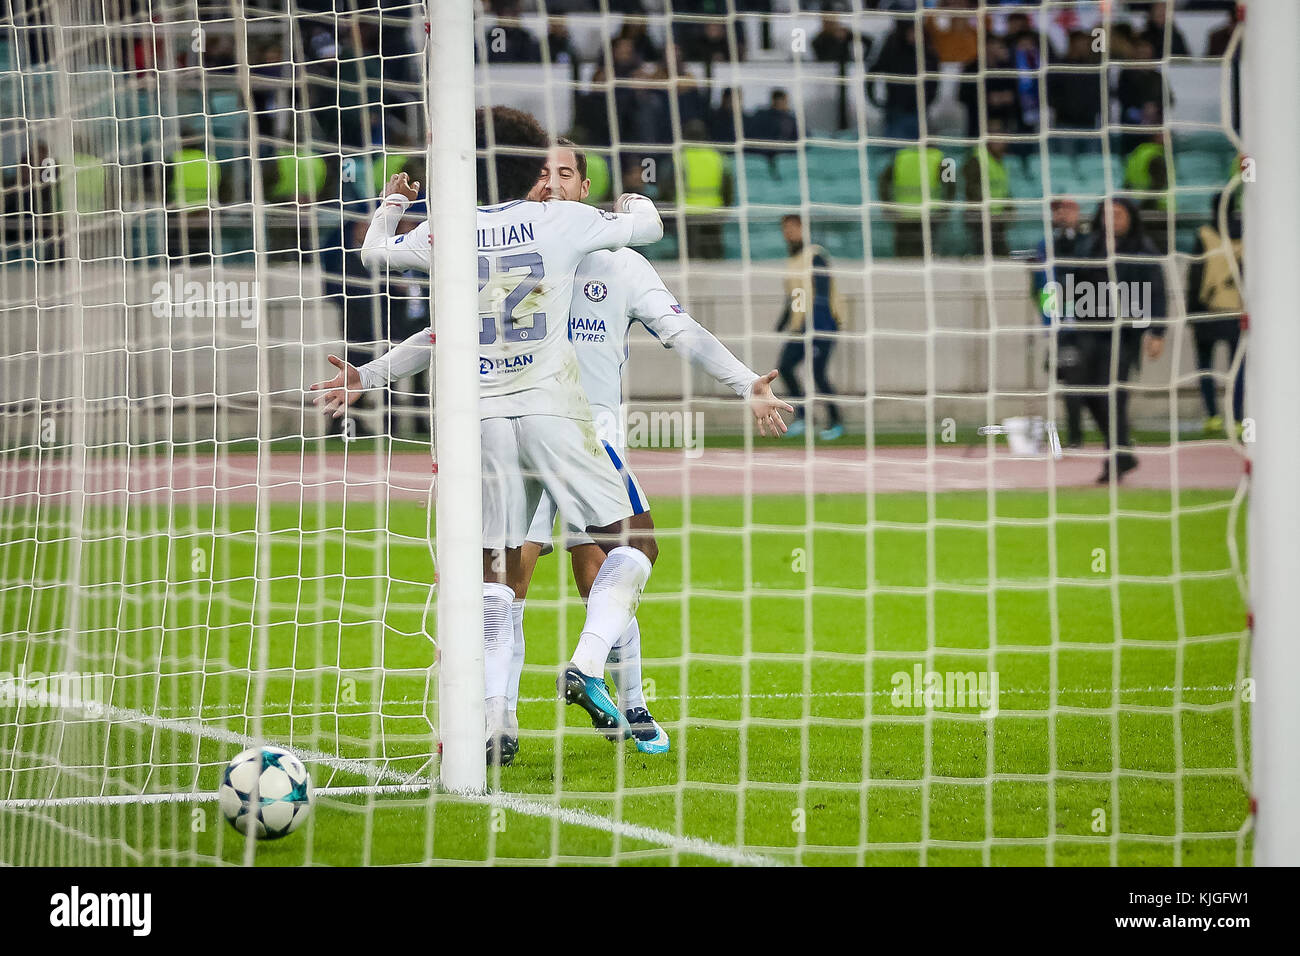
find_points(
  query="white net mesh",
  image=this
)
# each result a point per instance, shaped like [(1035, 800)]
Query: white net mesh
[(909, 642)]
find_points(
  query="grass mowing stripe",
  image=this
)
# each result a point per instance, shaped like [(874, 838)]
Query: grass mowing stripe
[(404, 783)]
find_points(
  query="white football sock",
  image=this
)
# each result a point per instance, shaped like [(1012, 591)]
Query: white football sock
[(611, 606), (516, 662), (497, 719), (498, 641), (625, 668)]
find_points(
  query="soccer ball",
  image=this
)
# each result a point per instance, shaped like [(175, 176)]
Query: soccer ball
[(268, 786)]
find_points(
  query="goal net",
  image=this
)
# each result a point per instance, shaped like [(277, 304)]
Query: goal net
[(914, 630)]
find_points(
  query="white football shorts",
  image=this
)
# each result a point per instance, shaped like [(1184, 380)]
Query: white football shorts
[(531, 456), (543, 525)]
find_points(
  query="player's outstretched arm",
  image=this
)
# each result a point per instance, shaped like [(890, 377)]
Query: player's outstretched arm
[(405, 358), (766, 406), (382, 247), (337, 393), (655, 306)]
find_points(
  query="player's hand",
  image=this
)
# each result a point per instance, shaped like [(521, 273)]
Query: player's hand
[(401, 185), (767, 407), (623, 201), (1155, 346), (340, 391)]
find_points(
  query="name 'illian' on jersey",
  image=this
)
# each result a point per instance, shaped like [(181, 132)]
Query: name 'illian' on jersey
[(527, 255)]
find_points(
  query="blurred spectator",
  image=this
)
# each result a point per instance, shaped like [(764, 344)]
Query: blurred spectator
[(1149, 170), (904, 98), (774, 123), (1074, 94), (650, 121), (1141, 95), (507, 40), (953, 37), (809, 282), (296, 175), (1025, 61), (1212, 292), (597, 172), (634, 31), (834, 42), (193, 175), (1123, 40), (559, 45), (626, 60), (1001, 92), (269, 99), (692, 101), (195, 187), (722, 121), (591, 111), (1118, 238), (1057, 314), (987, 162), (1159, 27), (901, 183), (707, 187), (706, 41), (1021, 28)]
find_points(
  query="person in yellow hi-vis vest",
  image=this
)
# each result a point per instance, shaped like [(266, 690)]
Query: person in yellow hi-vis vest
[(91, 185), (1214, 306), (1150, 170), (810, 291), (296, 176), (987, 161), (194, 177), (597, 171), (901, 183), (194, 192), (707, 188)]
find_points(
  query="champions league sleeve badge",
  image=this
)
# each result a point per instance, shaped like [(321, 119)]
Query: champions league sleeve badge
[(595, 290)]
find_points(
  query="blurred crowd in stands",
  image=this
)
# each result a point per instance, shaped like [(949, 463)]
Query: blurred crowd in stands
[(337, 106)]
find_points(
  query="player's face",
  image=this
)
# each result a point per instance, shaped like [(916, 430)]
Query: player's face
[(560, 178), (1119, 219), (792, 230)]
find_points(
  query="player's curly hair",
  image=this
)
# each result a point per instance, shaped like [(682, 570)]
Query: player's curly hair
[(518, 153)]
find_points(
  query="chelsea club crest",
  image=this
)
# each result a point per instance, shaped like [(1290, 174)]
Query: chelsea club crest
[(595, 290)]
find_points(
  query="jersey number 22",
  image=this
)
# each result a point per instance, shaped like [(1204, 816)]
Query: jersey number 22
[(518, 328)]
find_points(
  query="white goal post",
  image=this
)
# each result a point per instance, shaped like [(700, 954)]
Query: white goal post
[(1271, 118), (454, 299)]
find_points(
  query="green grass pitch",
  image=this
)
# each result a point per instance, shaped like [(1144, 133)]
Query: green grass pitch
[(772, 629)]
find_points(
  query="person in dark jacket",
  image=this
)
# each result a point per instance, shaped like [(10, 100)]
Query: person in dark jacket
[(900, 103), (1057, 316), (1074, 88), (1116, 304), (1212, 292)]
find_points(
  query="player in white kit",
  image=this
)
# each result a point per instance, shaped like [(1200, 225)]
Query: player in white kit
[(537, 430), (611, 291)]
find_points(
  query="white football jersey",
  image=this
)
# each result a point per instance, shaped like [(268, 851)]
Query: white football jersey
[(527, 255), (611, 291), (537, 371)]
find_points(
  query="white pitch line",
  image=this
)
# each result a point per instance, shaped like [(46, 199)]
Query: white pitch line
[(571, 816), (785, 695)]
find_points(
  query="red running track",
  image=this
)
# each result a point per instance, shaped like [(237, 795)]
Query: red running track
[(364, 477)]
